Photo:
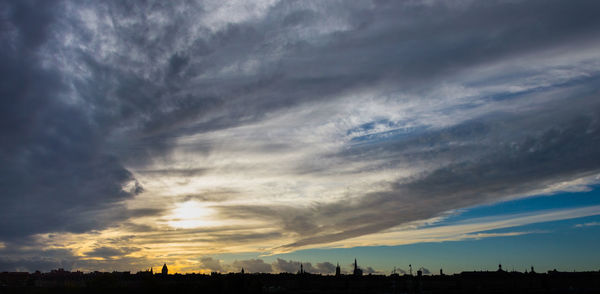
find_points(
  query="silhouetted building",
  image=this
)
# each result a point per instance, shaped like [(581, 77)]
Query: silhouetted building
[(146, 273), (500, 268), (165, 270), (301, 271), (62, 281), (357, 271), (338, 271), (242, 271)]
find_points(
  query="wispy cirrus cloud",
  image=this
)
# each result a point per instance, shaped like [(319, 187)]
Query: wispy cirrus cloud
[(476, 228), (584, 225)]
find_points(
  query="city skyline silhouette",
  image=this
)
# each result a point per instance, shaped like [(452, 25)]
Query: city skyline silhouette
[(361, 138)]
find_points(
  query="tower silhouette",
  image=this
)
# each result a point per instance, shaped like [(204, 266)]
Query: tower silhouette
[(357, 270), (165, 270)]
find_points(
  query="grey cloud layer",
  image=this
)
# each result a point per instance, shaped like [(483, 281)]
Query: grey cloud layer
[(509, 155), (89, 89)]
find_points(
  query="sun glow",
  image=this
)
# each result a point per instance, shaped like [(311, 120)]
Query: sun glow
[(191, 214)]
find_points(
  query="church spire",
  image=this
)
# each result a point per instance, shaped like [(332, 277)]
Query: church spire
[(357, 271)]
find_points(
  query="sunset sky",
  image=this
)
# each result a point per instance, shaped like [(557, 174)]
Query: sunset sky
[(215, 135)]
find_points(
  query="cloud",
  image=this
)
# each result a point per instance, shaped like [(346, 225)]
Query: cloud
[(253, 266), (476, 228), (53, 153), (258, 265), (325, 267), (493, 170), (290, 266), (213, 265), (590, 224), (218, 195), (111, 252), (35, 257), (401, 271), (173, 172), (33, 264)]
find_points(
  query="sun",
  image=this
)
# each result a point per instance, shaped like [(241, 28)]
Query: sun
[(191, 214)]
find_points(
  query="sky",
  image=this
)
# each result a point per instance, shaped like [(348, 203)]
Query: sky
[(216, 135)]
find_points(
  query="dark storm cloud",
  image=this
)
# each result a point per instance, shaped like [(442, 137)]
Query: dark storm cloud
[(55, 175), (74, 112)]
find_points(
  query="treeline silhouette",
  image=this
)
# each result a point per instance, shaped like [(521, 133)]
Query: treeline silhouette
[(61, 281)]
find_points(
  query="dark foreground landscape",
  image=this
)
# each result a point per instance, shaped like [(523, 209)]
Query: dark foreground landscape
[(60, 281)]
